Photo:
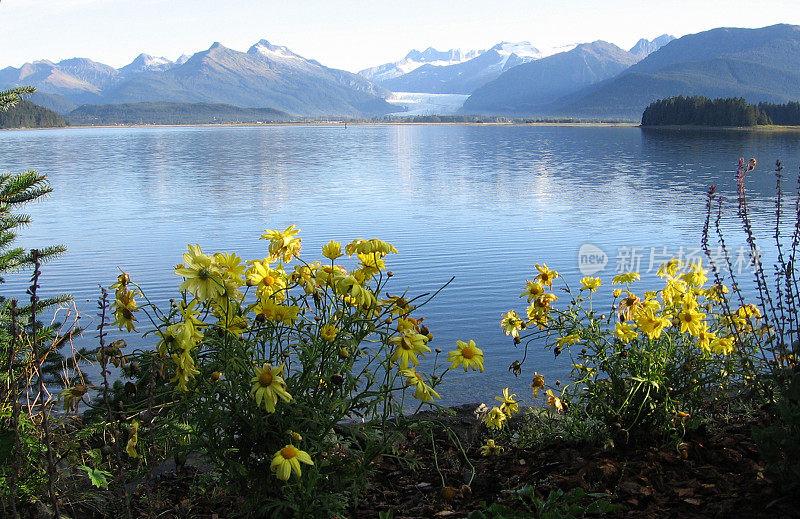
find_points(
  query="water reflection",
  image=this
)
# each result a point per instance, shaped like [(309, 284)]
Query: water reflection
[(483, 203)]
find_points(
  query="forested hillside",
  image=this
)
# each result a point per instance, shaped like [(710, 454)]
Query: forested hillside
[(29, 115), (702, 111)]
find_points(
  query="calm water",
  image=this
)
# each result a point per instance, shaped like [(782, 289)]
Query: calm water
[(483, 204)]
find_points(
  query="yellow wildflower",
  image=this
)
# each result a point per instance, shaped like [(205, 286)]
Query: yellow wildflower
[(268, 281), (573, 338), (537, 384), (704, 338), (722, 345), (690, 321), (590, 283), (467, 355), (373, 246), (674, 291), (282, 244), (490, 449), (235, 325), (71, 397), (545, 276), (629, 304), (423, 391), (508, 405), (123, 280), (332, 250), (532, 289), (626, 332), (123, 308), (398, 305), (200, 277), (328, 332), (371, 264), (408, 344), (185, 369), (229, 266), (748, 311), (669, 268), (268, 386), (276, 312), (287, 462), (495, 418), (554, 402), (627, 278), (305, 276), (511, 323), (650, 323), (716, 292), (133, 439), (696, 276)]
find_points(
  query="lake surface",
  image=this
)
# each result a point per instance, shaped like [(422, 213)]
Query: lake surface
[(481, 203)]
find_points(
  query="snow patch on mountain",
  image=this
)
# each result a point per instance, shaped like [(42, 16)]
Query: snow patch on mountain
[(523, 49), (415, 59), (274, 52), (147, 63), (558, 49)]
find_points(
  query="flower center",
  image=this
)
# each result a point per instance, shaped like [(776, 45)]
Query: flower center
[(204, 273), (288, 452), (269, 280), (265, 379), (468, 352)]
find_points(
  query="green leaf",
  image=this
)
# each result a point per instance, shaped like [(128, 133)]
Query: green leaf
[(98, 477)]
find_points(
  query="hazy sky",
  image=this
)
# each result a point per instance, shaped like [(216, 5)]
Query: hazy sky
[(351, 34)]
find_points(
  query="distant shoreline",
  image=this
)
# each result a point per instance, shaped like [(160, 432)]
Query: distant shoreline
[(335, 123), (693, 127), (765, 128)]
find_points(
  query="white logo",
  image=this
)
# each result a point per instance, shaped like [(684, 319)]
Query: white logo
[(591, 259)]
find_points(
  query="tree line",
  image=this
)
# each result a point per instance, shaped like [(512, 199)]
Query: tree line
[(28, 115), (731, 111)]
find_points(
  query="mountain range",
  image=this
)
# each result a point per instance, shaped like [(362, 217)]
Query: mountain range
[(266, 76), (461, 76), (760, 65), (532, 87), (596, 80)]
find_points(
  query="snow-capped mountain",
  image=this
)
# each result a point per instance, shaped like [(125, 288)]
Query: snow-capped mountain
[(464, 76), (266, 76), (530, 87), (644, 47), (278, 53), (144, 63), (416, 59)]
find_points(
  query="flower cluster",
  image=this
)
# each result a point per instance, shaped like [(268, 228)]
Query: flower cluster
[(124, 306), (289, 343), (657, 350)]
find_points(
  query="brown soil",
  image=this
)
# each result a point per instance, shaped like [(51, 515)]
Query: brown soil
[(712, 474)]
